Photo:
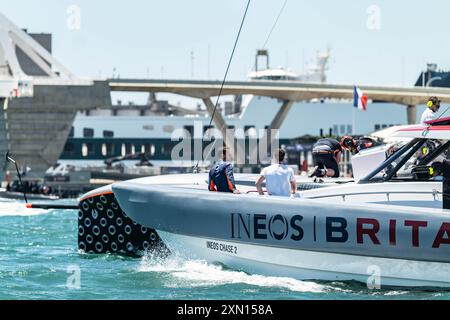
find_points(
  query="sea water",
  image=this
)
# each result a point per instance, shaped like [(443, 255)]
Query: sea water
[(39, 259)]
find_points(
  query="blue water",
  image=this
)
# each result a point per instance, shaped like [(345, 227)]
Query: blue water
[(39, 260)]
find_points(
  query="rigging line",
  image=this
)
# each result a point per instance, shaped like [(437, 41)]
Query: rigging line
[(274, 25), (229, 63), (226, 72), (442, 114)]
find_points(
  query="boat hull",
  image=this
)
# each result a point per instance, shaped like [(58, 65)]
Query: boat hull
[(310, 265), (302, 238)]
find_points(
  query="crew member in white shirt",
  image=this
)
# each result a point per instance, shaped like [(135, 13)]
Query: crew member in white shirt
[(280, 180), (430, 112)]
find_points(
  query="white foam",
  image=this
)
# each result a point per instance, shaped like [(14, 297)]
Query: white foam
[(394, 293), (13, 208), (197, 273)]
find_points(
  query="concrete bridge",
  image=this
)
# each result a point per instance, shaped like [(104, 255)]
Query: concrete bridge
[(39, 97), (289, 92)]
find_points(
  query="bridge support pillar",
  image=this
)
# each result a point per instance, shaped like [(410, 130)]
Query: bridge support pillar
[(275, 125), (228, 137), (281, 114), (411, 113)]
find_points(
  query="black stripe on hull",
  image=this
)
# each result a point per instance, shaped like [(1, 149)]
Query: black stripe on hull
[(104, 228)]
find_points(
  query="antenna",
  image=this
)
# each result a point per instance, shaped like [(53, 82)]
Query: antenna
[(209, 61), (192, 63)]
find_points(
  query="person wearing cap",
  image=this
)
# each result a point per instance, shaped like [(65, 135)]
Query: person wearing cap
[(430, 112), (326, 157), (356, 145)]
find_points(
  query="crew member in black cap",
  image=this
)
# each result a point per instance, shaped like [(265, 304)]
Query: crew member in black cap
[(356, 145), (326, 156)]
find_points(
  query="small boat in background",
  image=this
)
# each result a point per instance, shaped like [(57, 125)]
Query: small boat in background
[(30, 196)]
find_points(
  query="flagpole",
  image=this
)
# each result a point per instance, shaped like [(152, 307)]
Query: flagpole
[(353, 120), (353, 110)]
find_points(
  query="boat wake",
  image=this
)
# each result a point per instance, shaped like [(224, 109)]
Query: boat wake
[(199, 273), (14, 208)]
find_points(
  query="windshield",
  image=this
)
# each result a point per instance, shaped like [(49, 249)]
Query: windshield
[(419, 160), (423, 162)]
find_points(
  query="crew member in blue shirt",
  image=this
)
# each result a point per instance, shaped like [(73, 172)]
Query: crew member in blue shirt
[(221, 176)]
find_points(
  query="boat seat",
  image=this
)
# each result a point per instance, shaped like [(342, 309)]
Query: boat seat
[(310, 185)]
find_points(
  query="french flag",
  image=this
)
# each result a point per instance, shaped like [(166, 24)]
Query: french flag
[(359, 99)]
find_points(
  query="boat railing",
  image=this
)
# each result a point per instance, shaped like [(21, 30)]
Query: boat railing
[(255, 191), (434, 193)]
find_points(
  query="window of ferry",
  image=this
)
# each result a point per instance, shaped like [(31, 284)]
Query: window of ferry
[(87, 149), (130, 148), (110, 149), (107, 149), (108, 134), (166, 149), (349, 129), (335, 129), (69, 148), (189, 129), (84, 150), (168, 128), (148, 127), (88, 132), (150, 149)]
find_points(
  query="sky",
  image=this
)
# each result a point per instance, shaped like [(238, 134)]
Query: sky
[(377, 42)]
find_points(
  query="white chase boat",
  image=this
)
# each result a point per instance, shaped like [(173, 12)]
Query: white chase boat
[(393, 223)]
